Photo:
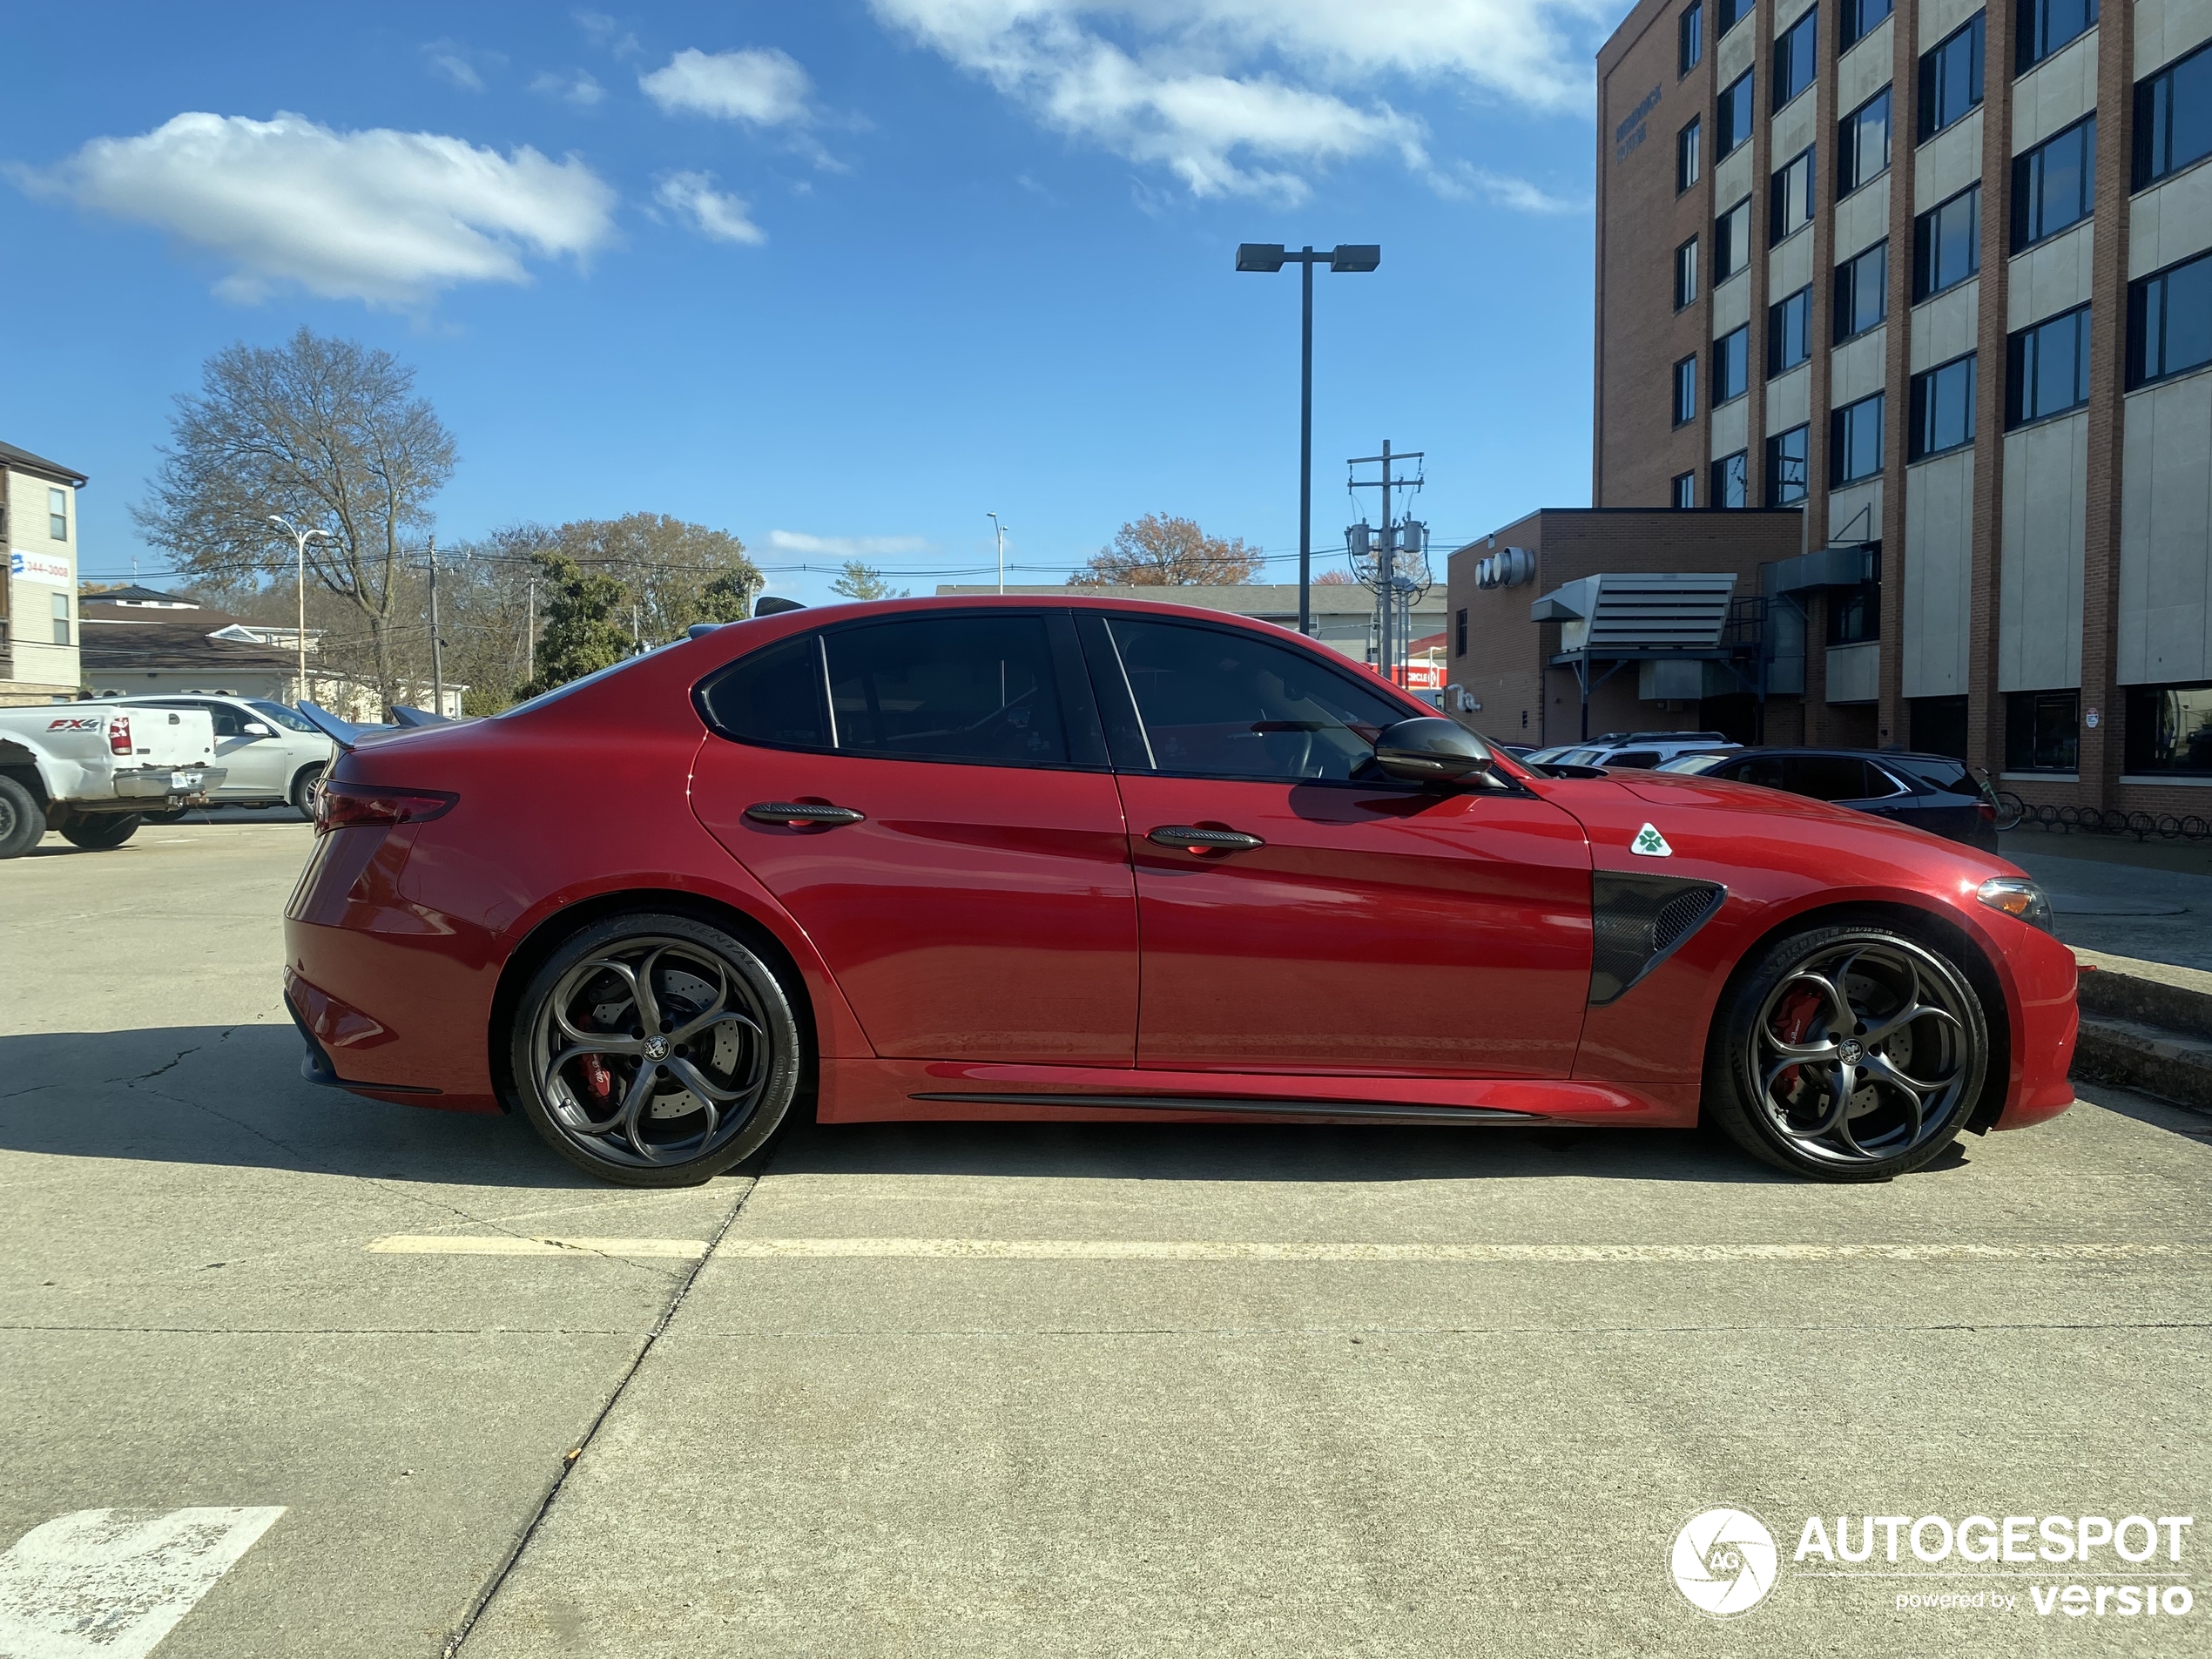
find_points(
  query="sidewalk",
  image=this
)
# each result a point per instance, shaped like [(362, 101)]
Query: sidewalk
[(2150, 900)]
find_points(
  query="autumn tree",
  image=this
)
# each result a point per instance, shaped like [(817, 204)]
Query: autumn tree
[(586, 620), (1159, 552), (1335, 579), (859, 580)]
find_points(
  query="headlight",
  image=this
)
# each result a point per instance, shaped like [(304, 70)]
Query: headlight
[(2017, 896)]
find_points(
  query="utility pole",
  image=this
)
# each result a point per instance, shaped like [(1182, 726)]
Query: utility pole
[(437, 654), (1387, 551), (530, 637), (1001, 529)]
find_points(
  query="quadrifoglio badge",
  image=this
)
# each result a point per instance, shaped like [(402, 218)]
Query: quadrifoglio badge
[(1725, 1562)]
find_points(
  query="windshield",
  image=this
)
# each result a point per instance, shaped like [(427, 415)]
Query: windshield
[(1691, 763), (276, 711)]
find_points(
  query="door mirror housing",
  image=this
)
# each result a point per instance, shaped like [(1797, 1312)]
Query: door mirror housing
[(255, 729), (1430, 749)]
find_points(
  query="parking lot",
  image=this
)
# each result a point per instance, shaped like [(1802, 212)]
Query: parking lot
[(1008, 1389)]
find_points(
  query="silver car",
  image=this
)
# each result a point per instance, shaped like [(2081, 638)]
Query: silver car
[(271, 755)]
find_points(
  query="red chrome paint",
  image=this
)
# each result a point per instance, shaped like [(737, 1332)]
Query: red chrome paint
[(991, 930)]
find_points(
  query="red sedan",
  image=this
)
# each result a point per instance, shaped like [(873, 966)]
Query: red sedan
[(1086, 860)]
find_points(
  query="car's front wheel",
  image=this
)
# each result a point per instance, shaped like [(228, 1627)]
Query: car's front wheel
[(1847, 1054), (99, 832), (302, 793), (655, 1050)]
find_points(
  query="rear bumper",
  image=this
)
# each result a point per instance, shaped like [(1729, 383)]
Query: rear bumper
[(175, 786), (388, 1021)]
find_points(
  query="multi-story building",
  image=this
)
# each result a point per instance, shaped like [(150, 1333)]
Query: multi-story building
[(1940, 275), (39, 660)]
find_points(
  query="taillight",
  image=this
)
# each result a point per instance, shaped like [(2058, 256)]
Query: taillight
[(375, 807), (118, 734)]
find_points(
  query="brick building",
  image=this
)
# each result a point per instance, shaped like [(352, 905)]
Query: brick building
[(1941, 277)]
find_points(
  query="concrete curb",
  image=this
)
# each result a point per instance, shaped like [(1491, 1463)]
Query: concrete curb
[(2146, 1026)]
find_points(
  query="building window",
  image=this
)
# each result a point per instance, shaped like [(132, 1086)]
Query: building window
[(1787, 456), (1951, 79), (1860, 18), (2046, 25), (1731, 372), (58, 515), (1862, 292), (1789, 332), (1943, 408), (61, 619), (2169, 321), (1733, 241), (1938, 727), (1947, 244), (1732, 117), (1794, 50), (1855, 613), (1789, 198), (2046, 368), (2054, 185), (1690, 37), (1460, 633), (1855, 442), (1732, 484), (2169, 728), (2042, 730), (1686, 390), (1685, 489), (1686, 142), (1686, 274), (1730, 13), (2173, 118), (1863, 144)]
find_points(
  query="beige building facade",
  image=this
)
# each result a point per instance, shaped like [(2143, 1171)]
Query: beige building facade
[(38, 620)]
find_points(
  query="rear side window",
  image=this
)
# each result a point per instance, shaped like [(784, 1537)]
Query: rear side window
[(1830, 777), (1645, 757), (974, 688), (772, 695), (1948, 777)]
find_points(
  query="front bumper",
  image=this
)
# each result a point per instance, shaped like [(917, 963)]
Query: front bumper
[(173, 785)]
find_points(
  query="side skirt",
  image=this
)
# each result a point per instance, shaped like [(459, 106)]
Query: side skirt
[(1363, 1111)]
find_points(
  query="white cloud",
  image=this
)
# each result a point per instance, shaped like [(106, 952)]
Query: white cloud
[(608, 35), (760, 87), (1246, 97), (454, 63), (714, 213), (381, 216), (581, 89), (845, 547)]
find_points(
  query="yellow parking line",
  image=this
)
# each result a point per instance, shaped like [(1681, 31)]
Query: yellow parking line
[(514, 1244)]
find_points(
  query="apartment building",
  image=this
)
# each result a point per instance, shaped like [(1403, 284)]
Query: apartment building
[(1938, 275), (38, 662)]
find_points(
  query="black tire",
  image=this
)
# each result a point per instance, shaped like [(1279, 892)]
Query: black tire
[(1785, 1111), (716, 1086), (23, 821), (166, 815), (302, 796), (99, 832)]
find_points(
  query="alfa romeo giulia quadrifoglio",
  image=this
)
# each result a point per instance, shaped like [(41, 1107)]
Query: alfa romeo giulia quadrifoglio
[(1088, 861)]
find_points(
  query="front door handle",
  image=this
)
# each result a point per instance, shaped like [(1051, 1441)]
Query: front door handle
[(1190, 838), (799, 812)]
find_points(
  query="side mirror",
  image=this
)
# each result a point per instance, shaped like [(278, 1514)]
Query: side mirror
[(255, 729), (1431, 750)]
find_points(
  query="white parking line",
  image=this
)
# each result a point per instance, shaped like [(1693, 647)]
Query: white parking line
[(513, 1245), (112, 1584), (1107, 1249)]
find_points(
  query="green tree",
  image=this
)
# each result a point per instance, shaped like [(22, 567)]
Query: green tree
[(861, 580), (667, 564), (727, 598), (1158, 551), (581, 634)]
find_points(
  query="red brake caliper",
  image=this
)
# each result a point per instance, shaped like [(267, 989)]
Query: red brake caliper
[(1792, 1020), (596, 1078)]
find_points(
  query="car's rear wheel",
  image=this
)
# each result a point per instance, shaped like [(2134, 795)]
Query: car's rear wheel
[(656, 1050), (22, 820), (1847, 1054), (99, 832)]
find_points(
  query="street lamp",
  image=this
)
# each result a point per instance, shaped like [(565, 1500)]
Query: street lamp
[(299, 540), (1273, 256), (1001, 529)]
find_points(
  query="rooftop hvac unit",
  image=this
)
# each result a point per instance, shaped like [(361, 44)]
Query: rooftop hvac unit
[(1510, 569)]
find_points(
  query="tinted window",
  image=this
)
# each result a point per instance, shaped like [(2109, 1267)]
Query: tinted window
[(2042, 730), (978, 688), (1786, 472), (1794, 51), (1732, 482), (1789, 198), (1766, 772), (1829, 778), (1644, 758), (1686, 273), (2047, 368), (1862, 292), (2055, 184), (772, 695), (1861, 17), (1731, 352), (2173, 118), (1863, 144), (1685, 389), (1686, 157), (1730, 13), (1789, 332), (1943, 408), (2169, 321), (1732, 116), (2046, 25), (1691, 38), (1226, 704), (2169, 728), (1732, 240), (1947, 244), (277, 714), (1948, 777), (1951, 79), (1855, 440), (229, 723)]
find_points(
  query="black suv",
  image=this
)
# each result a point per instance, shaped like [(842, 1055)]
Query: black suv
[(1934, 792)]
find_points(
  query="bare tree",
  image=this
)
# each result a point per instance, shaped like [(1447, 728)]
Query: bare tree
[(1159, 552), (328, 433)]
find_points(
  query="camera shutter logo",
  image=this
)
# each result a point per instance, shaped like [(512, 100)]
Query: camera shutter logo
[(1724, 1562)]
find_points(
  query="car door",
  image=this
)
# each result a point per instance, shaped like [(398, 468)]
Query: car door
[(244, 758), (929, 797), (1297, 916)]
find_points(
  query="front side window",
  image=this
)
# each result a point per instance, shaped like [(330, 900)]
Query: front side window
[(2047, 368), (1732, 240), (1731, 481), (1690, 37), (1685, 405), (1789, 198), (2054, 185), (1863, 144), (973, 688), (61, 619), (1686, 162), (2046, 25), (1794, 56), (1951, 79), (58, 515), (1732, 117), (1830, 777), (2042, 730), (1862, 292), (1947, 244), (277, 714), (2169, 321), (1786, 456), (1730, 13), (1943, 408), (1221, 703), (1731, 376), (1789, 332), (2173, 118), (2169, 728), (1855, 442), (1860, 19), (1683, 491), (1686, 273)]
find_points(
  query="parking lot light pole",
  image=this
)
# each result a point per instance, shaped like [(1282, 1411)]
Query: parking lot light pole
[(1273, 256), (299, 540)]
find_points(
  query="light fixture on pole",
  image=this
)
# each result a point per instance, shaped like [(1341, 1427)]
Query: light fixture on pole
[(1001, 529), (299, 540), (1273, 256)]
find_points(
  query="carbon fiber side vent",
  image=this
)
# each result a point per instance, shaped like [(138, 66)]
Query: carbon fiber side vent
[(1638, 921)]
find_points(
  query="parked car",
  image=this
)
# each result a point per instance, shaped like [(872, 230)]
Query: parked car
[(271, 755), (1932, 792), (92, 771), (1643, 750), (1086, 860)]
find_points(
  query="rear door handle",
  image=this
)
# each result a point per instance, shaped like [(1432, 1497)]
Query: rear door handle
[(796, 812), (1190, 838)]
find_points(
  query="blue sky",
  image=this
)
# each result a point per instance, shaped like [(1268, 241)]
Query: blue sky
[(837, 277)]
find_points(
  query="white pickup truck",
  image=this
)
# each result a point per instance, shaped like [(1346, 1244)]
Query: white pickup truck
[(89, 770)]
